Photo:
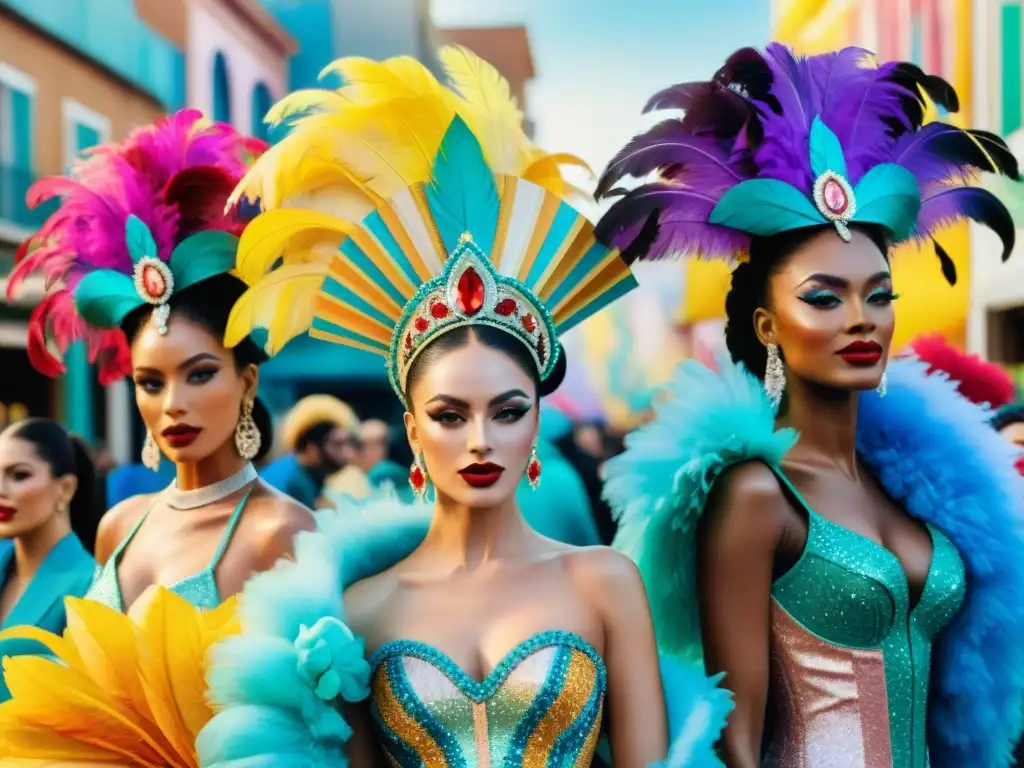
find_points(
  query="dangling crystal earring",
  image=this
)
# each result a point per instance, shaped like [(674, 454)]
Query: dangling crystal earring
[(150, 452), (418, 478), (247, 435), (533, 469), (774, 376), (882, 387)]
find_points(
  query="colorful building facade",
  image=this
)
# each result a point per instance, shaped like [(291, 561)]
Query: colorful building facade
[(997, 302)]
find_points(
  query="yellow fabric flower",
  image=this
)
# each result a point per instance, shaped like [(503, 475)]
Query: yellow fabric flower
[(119, 693)]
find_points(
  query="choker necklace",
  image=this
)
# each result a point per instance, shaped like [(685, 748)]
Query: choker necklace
[(209, 494)]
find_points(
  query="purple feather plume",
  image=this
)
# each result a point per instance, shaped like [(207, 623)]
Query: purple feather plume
[(753, 120)]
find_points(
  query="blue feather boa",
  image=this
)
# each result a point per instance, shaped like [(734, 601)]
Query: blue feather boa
[(933, 452)]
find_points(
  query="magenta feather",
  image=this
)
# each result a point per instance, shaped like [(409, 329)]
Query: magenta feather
[(753, 120), (175, 175)]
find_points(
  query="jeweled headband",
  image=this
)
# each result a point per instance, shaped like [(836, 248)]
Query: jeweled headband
[(777, 142), (400, 210)]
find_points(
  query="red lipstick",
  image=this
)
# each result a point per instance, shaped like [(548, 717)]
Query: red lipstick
[(482, 475), (861, 353), (7, 513), (181, 435)]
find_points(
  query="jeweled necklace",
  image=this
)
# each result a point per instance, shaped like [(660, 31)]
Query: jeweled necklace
[(208, 494)]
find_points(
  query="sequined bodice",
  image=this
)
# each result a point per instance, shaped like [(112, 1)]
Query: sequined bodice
[(199, 589), (850, 657), (541, 705)]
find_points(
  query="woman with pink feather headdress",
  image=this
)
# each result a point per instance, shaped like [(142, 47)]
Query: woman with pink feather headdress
[(138, 258)]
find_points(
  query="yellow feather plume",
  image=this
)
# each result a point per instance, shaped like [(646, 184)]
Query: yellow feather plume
[(354, 148), (119, 693)]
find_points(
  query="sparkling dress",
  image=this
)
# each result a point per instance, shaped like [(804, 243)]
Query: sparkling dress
[(850, 656), (541, 706)]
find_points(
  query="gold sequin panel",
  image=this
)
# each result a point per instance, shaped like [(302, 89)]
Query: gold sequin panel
[(828, 704), (541, 707)]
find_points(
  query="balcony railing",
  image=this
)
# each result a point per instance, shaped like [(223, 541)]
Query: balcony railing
[(14, 184)]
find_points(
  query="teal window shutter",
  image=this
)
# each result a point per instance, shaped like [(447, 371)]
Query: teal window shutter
[(85, 137), (21, 129), (1011, 67)]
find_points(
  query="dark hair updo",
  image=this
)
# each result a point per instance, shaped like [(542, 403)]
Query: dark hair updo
[(208, 303), (1007, 415), (66, 455), (750, 289), (493, 338)]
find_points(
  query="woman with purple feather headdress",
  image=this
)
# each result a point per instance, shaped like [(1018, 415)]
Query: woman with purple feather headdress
[(839, 536)]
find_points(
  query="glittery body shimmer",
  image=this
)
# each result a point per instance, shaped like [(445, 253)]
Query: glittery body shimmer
[(850, 659), (541, 706)]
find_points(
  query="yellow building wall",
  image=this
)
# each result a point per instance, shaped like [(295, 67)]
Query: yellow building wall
[(928, 304)]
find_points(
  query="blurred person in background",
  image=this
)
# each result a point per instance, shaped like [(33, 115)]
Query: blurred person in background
[(559, 508), (1009, 422), (48, 513), (320, 437), (375, 460), (139, 254)]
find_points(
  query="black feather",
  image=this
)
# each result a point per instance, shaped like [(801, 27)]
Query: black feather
[(939, 90), (1000, 154), (948, 267), (643, 241)]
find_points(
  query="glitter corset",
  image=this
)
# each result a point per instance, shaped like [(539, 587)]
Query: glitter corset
[(850, 657), (200, 589), (541, 705)]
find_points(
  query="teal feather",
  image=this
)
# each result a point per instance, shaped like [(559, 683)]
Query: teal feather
[(202, 256), (659, 486), (765, 207), (888, 195), (105, 297), (697, 711), (826, 151), (461, 194), (268, 713), (139, 239)]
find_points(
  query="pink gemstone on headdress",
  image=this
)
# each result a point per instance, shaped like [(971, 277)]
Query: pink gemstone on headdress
[(153, 282), (438, 310), (469, 294), (835, 196), (506, 307)]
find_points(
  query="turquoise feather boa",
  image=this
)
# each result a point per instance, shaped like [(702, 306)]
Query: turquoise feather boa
[(935, 455)]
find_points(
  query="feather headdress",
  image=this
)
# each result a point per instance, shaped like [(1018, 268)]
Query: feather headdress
[(137, 220), (777, 142), (398, 209)]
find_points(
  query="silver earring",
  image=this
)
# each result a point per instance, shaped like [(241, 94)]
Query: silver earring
[(882, 387), (150, 452), (774, 376), (247, 435)]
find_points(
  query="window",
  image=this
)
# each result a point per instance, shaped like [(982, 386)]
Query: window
[(1011, 67), (221, 89), (17, 97), (83, 128), (261, 104)]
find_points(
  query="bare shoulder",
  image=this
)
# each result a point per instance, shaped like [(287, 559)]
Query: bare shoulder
[(367, 599), (278, 520), (747, 500), (604, 575), (118, 521)]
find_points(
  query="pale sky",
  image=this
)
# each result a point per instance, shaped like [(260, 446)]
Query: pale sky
[(598, 61)]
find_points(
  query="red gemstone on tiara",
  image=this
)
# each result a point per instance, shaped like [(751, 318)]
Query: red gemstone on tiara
[(438, 310), (529, 323), (408, 340), (506, 307), (153, 283), (835, 197), (469, 293), (421, 324), (542, 351)]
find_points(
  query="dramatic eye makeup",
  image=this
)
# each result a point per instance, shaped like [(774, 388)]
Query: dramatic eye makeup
[(882, 296), (821, 297)]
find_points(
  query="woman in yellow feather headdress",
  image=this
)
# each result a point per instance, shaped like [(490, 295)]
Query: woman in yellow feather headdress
[(418, 222)]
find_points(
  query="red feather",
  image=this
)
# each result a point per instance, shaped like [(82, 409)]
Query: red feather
[(979, 381), (200, 195)]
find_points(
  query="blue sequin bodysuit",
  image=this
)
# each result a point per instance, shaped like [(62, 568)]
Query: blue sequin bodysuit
[(200, 589), (541, 706), (850, 654)]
